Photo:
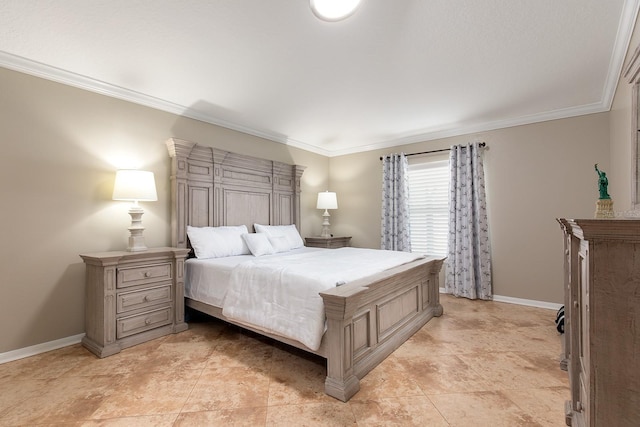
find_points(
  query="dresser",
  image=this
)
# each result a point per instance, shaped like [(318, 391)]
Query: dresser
[(132, 297), (327, 242), (602, 321)]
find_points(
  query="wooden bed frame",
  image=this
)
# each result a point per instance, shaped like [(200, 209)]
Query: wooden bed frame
[(366, 319)]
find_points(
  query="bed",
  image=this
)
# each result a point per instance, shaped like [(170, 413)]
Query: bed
[(366, 318)]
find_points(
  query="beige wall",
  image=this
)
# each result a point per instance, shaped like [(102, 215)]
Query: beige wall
[(60, 149), (534, 174)]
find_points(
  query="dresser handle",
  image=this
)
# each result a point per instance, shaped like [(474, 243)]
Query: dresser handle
[(146, 298), (575, 304), (147, 321), (579, 406), (147, 274)]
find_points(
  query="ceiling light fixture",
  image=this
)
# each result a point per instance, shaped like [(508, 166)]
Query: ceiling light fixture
[(334, 10)]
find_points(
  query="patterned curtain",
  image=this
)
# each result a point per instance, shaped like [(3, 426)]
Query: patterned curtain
[(396, 234), (469, 260)]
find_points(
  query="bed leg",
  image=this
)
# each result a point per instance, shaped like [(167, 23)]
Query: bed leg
[(342, 390)]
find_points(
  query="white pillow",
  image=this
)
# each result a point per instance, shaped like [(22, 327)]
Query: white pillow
[(279, 243), (258, 244), (217, 242), (288, 231)]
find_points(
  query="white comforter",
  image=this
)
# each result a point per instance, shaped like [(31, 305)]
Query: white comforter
[(281, 294)]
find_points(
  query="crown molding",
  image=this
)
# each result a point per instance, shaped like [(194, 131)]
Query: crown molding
[(48, 72), (621, 46), (457, 130)]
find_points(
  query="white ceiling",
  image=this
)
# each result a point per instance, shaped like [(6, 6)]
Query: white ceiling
[(397, 71)]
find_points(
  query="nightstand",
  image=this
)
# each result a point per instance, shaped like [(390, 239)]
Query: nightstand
[(327, 242), (132, 297)]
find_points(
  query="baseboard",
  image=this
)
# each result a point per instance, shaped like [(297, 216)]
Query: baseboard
[(21, 353), (521, 301), (528, 302)]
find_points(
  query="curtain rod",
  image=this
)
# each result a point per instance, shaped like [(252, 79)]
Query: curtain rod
[(481, 145)]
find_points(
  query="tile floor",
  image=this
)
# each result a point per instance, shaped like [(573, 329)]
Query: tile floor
[(481, 364)]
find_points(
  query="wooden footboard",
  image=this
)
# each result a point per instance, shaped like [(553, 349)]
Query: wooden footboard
[(368, 319)]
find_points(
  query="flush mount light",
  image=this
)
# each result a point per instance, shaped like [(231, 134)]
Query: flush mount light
[(334, 10)]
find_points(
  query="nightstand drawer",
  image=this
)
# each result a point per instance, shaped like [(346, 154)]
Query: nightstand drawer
[(143, 322), (143, 275), (127, 301)]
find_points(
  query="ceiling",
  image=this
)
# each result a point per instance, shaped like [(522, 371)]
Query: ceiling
[(395, 72)]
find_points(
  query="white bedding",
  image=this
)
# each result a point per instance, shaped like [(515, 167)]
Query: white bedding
[(280, 294), (207, 280)]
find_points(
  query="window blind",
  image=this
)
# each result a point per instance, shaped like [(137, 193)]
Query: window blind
[(429, 207)]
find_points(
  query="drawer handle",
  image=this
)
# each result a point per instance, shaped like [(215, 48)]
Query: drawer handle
[(146, 298), (575, 304), (147, 274), (579, 406), (147, 321)]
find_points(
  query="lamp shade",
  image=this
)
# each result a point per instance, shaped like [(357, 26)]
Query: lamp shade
[(333, 10), (327, 200), (135, 185)]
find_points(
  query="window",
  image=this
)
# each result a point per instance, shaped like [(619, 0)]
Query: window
[(429, 207)]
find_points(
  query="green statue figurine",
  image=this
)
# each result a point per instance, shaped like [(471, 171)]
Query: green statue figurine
[(603, 183)]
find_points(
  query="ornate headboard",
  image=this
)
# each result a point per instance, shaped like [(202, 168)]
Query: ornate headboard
[(211, 187)]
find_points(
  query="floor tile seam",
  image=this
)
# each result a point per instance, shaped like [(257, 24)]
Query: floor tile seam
[(423, 394), (355, 400), (333, 401), (351, 410), (269, 382), (215, 411), (193, 386), (439, 411), (457, 393), (108, 419), (230, 407)]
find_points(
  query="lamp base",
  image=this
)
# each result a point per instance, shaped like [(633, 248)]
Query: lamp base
[(137, 244), (136, 239), (326, 227)]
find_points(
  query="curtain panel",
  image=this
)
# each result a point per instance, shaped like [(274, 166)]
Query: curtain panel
[(469, 259), (396, 233)]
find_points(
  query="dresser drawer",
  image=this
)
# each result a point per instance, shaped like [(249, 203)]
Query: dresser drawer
[(127, 301), (142, 275), (143, 322)]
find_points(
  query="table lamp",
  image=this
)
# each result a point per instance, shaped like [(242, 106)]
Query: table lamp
[(326, 200), (136, 186)]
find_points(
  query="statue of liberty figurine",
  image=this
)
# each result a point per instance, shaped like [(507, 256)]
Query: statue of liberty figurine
[(603, 183)]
